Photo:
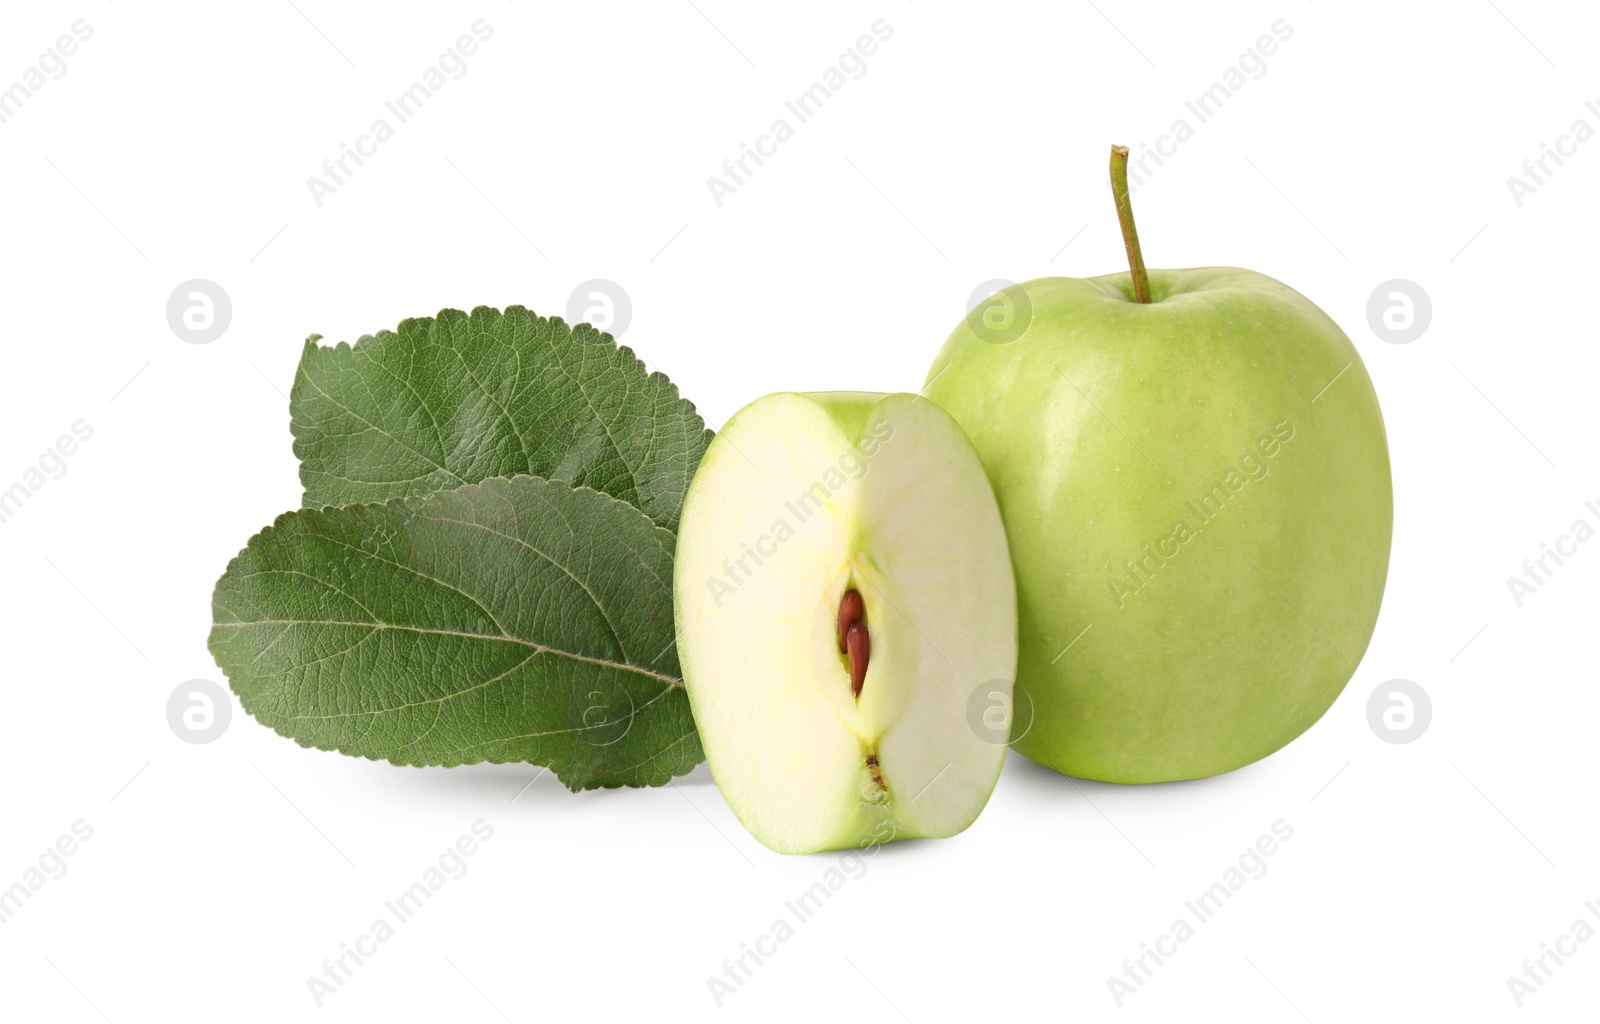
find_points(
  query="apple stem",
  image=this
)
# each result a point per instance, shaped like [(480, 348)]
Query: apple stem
[(1130, 234)]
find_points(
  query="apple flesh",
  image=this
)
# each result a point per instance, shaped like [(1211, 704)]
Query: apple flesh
[(843, 589), (1197, 496)]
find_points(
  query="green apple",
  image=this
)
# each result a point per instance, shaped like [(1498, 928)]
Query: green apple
[(1197, 496), (845, 601)]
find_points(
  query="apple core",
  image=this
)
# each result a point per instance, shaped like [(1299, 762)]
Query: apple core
[(853, 638), (827, 538)]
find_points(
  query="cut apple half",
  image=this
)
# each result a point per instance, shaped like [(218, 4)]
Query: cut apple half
[(847, 619)]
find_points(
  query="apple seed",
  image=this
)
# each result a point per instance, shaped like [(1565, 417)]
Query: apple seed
[(860, 648), (850, 610)]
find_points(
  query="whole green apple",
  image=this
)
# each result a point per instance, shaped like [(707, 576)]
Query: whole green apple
[(1196, 493)]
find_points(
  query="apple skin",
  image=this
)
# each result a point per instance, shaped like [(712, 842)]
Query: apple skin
[(1102, 429), (800, 500)]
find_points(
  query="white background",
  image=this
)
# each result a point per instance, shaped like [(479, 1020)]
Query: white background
[(219, 877)]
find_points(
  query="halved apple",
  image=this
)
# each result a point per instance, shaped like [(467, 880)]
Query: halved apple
[(848, 620)]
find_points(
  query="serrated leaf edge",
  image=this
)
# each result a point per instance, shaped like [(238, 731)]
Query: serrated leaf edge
[(659, 779), (381, 337)]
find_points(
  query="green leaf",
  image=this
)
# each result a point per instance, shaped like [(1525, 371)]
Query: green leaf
[(513, 620), (455, 399)]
